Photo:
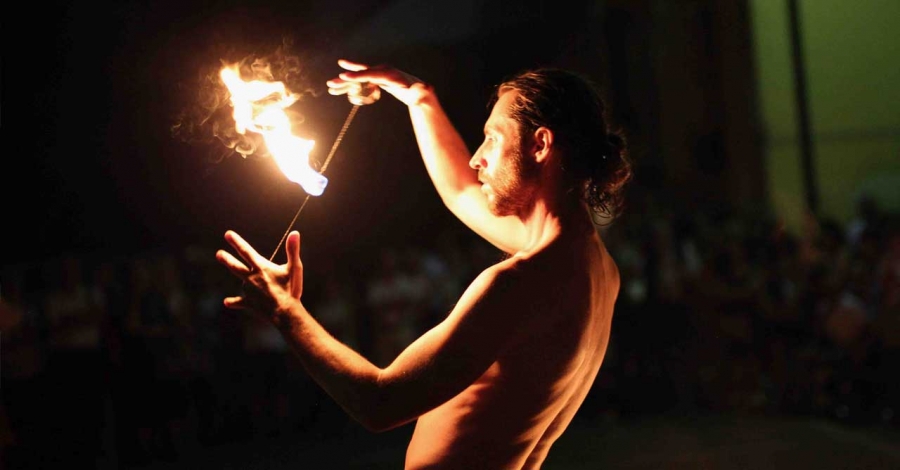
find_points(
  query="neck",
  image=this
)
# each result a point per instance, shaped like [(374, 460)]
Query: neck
[(551, 217)]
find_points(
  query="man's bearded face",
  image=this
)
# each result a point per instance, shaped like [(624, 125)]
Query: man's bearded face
[(509, 177), (512, 185)]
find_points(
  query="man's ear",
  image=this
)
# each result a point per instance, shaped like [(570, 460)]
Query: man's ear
[(542, 144)]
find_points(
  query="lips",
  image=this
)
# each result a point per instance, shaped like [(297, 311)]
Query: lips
[(484, 183)]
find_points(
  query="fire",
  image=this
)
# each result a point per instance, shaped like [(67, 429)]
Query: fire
[(259, 107)]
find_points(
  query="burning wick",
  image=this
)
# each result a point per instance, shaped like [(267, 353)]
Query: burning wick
[(259, 107), (367, 94), (337, 143)]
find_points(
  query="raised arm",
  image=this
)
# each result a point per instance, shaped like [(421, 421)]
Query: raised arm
[(433, 369), (443, 150)]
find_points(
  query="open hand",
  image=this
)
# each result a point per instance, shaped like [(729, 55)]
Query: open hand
[(269, 288), (403, 86)]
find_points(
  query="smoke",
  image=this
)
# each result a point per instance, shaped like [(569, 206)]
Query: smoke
[(206, 117)]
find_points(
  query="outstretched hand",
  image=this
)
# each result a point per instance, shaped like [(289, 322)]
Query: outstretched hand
[(403, 86), (269, 288)]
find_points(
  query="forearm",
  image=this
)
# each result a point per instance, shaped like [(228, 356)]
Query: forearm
[(443, 150), (349, 378), (446, 159)]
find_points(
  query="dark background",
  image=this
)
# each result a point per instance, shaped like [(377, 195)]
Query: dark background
[(90, 100)]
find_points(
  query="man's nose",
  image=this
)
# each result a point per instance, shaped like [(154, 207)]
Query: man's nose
[(476, 162)]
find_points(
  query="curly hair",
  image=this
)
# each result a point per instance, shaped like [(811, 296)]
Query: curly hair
[(595, 156)]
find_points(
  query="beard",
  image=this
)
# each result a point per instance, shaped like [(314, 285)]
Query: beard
[(513, 185)]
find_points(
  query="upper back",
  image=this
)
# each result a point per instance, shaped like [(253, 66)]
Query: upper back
[(512, 414)]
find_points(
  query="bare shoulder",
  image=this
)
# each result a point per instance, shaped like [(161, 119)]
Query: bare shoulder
[(495, 308), (507, 277), (506, 289), (554, 277), (529, 282), (514, 273)]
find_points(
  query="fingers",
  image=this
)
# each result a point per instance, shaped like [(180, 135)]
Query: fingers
[(342, 81), (233, 264), (255, 263), (338, 86), (357, 73), (253, 259), (363, 100), (378, 78), (363, 84), (359, 93), (234, 303), (353, 66)]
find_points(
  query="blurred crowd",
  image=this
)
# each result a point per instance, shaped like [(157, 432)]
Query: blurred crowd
[(728, 311), (121, 362)]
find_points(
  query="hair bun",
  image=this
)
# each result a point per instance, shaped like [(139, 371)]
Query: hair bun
[(615, 143)]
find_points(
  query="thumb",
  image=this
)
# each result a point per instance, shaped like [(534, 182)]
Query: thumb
[(292, 248), (294, 265)]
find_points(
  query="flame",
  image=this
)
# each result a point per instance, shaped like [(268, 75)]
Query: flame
[(259, 107)]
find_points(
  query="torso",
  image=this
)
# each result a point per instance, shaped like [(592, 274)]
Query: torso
[(511, 415)]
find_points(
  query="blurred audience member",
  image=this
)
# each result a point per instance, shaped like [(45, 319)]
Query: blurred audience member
[(23, 360), (75, 368)]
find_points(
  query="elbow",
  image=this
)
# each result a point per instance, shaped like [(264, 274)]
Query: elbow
[(369, 418), (374, 426), (381, 411), (376, 422)]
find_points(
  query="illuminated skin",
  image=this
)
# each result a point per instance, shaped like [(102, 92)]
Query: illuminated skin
[(497, 381)]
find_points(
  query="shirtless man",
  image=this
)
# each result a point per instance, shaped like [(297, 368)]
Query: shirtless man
[(499, 380)]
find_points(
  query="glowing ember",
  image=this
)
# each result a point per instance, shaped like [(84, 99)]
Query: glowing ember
[(259, 107)]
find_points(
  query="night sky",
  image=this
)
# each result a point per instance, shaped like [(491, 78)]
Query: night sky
[(90, 93)]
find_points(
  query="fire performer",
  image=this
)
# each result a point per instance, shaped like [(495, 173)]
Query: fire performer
[(497, 382)]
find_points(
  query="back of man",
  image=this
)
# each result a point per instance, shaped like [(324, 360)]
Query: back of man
[(516, 410)]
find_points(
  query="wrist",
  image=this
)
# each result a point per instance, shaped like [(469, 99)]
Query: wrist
[(423, 95), (285, 312)]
